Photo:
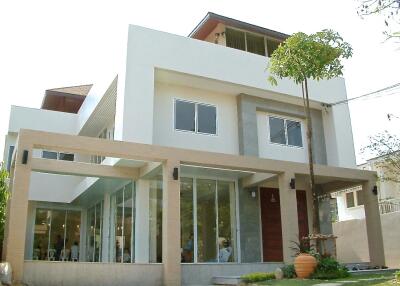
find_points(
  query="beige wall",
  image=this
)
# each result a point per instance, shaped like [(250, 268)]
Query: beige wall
[(352, 243)]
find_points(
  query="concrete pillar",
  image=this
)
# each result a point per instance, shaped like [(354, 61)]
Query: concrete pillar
[(373, 224), (290, 226), (142, 222), (171, 232), (17, 219)]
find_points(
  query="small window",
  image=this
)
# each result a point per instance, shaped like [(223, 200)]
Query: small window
[(235, 39), (185, 115), (66, 157), (255, 44), (49, 155), (207, 119), (195, 117), (350, 200), (285, 132), (10, 153), (360, 198), (277, 130)]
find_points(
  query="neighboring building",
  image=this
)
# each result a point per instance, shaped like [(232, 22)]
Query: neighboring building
[(187, 164), (350, 202)]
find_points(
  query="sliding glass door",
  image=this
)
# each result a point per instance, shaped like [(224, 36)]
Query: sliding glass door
[(122, 225), (56, 233), (208, 221)]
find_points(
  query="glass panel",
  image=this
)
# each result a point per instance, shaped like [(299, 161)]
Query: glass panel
[(350, 200), (49, 155), (90, 235), (206, 221), (128, 224), (57, 233), (360, 198), (207, 119), (187, 238), (41, 234), (272, 45), (72, 236), (118, 226), (255, 44), (184, 115), (235, 39), (156, 221), (226, 221), (10, 152), (277, 130), (66, 157), (97, 232), (294, 133)]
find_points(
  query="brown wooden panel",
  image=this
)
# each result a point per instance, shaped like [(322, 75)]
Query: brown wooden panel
[(271, 225), (302, 213)]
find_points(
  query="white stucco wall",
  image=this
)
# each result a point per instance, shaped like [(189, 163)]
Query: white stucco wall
[(277, 151), (246, 73), (346, 213), (164, 133), (42, 120)]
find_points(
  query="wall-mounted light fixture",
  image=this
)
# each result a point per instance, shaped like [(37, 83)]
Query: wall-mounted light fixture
[(175, 174), (292, 183), (375, 190), (25, 157)]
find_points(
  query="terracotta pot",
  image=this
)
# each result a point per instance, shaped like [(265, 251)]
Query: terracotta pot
[(304, 265)]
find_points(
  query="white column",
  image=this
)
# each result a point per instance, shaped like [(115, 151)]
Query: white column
[(373, 223), (171, 232), (290, 225), (142, 221)]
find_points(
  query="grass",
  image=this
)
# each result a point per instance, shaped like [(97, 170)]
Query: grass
[(356, 280)]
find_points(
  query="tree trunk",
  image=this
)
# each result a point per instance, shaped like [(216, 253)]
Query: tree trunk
[(306, 103)]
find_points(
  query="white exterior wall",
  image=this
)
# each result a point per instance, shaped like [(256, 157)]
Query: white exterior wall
[(164, 133), (244, 72), (346, 213), (277, 151)]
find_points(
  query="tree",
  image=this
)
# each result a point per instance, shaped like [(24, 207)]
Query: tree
[(389, 9), (3, 198), (302, 57), (386, 148)]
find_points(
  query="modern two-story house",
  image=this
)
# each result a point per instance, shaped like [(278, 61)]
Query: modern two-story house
[(184, 165)]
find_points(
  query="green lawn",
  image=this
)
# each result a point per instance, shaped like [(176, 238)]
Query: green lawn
[(356, 280)]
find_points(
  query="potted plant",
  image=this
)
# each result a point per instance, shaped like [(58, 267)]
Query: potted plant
[(305, 262)]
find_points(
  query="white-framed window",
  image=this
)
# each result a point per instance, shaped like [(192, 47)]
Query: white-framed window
[(57, 155), (354, 199), (195, 117), (285, 131)]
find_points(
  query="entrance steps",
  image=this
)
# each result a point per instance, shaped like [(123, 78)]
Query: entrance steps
[(226, 280)]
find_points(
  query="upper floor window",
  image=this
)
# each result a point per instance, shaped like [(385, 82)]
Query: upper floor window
[(354, 199), (195, 117), (250, 42), (57, 155), (284, 131)]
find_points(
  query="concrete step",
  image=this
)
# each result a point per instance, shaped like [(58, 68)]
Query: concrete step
[(226, 280)]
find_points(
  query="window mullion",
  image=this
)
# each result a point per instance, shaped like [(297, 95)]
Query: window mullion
[(286, 133), (195, 250)]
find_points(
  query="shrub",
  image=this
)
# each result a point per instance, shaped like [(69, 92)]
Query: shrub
[(288, 271), (397, 275), (329, 268), (257, 277)]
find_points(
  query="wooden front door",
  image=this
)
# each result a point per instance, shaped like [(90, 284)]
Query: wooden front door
[(271, 225)]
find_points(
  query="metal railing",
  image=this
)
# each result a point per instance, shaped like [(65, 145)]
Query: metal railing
[(389, 206)]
